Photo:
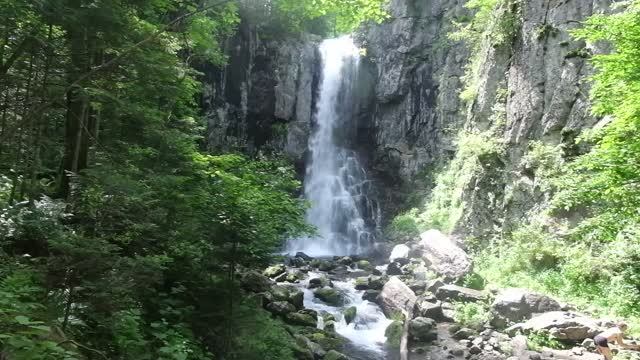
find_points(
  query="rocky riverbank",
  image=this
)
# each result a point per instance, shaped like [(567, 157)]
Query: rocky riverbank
[(350, 308)]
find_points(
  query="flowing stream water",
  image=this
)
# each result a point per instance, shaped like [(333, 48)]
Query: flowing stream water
[(335, 182), (340, 193)]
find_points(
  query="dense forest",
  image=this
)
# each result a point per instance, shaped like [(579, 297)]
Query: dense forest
[(120, 238), (123, 236)]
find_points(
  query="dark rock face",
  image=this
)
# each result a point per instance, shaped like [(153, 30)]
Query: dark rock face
[(264, 98), (417, 110)]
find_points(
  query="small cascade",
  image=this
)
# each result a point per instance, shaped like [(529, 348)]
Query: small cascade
[(336, 184), (366, 332)]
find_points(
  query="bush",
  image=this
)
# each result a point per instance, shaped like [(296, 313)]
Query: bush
[(404, 227), (473, 315), (536, 341)]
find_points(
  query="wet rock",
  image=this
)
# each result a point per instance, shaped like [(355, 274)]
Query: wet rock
[(364, 265), (296, 262), (393, 333), (421, 329), (304, 342), (377, 282), (362, 283), (288, 293), (280, 308), (559, 324), (444, 256), (334, 355), (371, 295), (463, 333), (395, 268), (303, 256), (459, 293), (330, 326), (350, 314), (396, 296), (275, 270), (511, 305), (300, 318), (319, 282), (429, 309), (346, 260), (399, 252), (294, 276), (255, 282), (330, 296), (326, 266)]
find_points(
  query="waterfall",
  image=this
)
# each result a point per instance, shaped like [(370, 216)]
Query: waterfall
[(335, 183)]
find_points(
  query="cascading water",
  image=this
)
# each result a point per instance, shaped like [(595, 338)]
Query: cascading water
[(335, 182)]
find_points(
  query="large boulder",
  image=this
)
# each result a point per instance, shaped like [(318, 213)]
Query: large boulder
[(512, 305), (288, 293), (561, 325), (301, 318), (399, 252), (423, 329), (330, 296), (444, 256), (459, 293), (280, 308), (275, 270), (255, 282), (350, 314), (396, 296)]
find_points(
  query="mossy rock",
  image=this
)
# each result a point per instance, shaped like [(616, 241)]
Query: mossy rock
[(362, 283), (394, 334), (275, 270), (350, 314), (302, 319), (364, 265), (330, 326), (329, 296), (334, 355)]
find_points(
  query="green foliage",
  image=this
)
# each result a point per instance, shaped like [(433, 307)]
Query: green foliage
[(493, 25), (403, 227), (344, 16), (546, 162), (473, 315), (537, 341), (271, 342)]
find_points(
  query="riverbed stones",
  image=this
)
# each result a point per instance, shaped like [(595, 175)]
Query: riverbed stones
[(318, 282), (429, 309), (362, 283), (444, 255), (393, 333), (396, 297), (274, 271), (377, 282), (350, 314), (255, 282), (371, 295), (422, 329), (301, 318), (452, 292), (400, 251), (288, 293), (364, 265), (330, 296), (395, 268), (334, 355), (280, 308), (306, 343)]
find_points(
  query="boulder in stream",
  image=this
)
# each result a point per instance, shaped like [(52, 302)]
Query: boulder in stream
[(400, 251), (396, 297), (444, 255), (274, 271), (301, 318), (350, 314), (330, 296)]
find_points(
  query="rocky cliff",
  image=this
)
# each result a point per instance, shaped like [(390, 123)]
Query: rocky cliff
[(529, 88), (263, 100)]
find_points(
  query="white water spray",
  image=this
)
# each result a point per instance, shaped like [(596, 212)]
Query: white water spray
[(335, 182)]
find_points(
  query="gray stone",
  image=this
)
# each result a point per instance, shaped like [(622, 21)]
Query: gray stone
[(422, 329), (280, 308), (459, 293), (350, 314), (255, 282), (275, 270), (561, 325), (330, 296), (444, 256), (511, 305), (334, 355), (396, 296)]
